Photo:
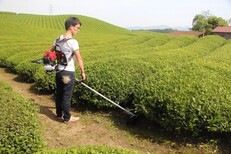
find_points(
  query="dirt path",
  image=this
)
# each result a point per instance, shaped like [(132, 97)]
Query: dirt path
[(92, 128), (95, 128)]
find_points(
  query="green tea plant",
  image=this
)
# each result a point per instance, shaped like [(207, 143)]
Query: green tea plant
[(181, 83), (19, 124)]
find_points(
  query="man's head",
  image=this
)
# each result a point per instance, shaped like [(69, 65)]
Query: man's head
[(72, 21), (73, 24)]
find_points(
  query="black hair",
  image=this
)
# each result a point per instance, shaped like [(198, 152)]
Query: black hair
[(72, 21)]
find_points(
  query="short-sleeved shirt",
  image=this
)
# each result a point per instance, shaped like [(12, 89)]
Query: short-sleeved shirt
[(68, 48)]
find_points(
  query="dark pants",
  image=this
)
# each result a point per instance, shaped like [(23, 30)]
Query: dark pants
[(65, 81)]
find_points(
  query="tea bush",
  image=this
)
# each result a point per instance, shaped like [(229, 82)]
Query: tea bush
[(182, 83), (44, 81), (189, 96), (19, 124), (187, 99), (27, 70), (117, 81)]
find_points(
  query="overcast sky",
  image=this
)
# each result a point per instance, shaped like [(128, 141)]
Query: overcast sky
[(125, 13)]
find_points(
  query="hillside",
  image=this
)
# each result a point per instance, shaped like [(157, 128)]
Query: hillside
[(57, 22), (181, 84)]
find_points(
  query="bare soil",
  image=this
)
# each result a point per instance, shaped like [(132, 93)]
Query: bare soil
[(96, 127)]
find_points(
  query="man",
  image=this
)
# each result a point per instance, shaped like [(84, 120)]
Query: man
[(65, 76)]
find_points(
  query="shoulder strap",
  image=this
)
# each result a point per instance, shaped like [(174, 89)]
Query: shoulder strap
[(58, 40)]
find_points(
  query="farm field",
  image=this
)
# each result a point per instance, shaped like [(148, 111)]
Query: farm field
[(181, 84), (99, 127)]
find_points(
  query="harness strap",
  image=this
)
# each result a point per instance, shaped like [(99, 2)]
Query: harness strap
[(58, 40)]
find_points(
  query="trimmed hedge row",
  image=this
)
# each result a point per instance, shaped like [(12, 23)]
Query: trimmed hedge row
[(187, 95), (19, 124), (129, 80), (20, 131), (191, 98), (155, 74), (177, 91), (116, 79)]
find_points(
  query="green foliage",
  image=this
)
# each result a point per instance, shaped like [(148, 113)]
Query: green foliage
[(27, 70), (88, 150), (182, 83), (19, 125), (116, 81), (189, 98), (214, 22), (206, 22), (44, 81)]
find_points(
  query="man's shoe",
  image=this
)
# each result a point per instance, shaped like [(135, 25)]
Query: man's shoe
[(60, 118), (72, 119)]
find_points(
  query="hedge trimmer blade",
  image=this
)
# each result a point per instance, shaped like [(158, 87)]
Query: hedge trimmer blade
[(39, 61)]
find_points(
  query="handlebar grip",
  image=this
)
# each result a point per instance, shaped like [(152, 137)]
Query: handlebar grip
[(78, 81)]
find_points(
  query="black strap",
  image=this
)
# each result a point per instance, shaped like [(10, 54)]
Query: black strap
[(58, 40)]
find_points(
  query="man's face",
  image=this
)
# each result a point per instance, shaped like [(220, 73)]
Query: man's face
[(75, 29)]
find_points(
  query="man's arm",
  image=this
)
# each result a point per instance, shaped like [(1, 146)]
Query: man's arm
[(52, 48), (80, 63)]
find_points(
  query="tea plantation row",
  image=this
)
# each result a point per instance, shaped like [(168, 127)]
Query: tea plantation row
[(20, 132), (19, 124), (180, 83)]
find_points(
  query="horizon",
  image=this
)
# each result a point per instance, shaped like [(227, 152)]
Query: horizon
[(130, 13)]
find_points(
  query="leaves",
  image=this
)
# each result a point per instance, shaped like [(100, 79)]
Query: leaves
[(182, 83), (206, 22), (20, 132)]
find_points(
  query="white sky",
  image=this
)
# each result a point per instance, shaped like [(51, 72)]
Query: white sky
[(125, 13)]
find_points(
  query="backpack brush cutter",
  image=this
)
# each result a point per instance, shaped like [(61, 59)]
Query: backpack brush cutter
[(132, 117)]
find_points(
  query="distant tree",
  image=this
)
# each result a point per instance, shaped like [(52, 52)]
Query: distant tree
[(206, 22), (214, 22), (200, 23)]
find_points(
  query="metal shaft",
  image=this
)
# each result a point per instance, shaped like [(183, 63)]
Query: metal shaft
[(126, 111)]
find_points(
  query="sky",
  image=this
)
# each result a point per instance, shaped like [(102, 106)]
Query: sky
[(125, 13)]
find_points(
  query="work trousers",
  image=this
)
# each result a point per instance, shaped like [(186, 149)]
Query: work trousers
[(65, 81)]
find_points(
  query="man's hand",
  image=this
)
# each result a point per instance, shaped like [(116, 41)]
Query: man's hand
[(83, 76)]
